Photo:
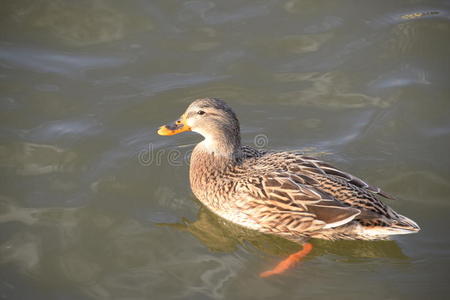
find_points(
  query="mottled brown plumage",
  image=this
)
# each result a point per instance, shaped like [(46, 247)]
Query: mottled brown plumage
[(282, 193)]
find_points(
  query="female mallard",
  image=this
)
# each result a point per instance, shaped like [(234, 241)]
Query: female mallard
[(282, 193)]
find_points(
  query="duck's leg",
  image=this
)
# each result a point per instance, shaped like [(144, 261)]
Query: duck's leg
[(288, 262)]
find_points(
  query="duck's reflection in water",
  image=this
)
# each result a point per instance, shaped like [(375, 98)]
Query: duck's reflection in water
[(220, 235)]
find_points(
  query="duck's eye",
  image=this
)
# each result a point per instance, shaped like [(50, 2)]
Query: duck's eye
[(200, 112)]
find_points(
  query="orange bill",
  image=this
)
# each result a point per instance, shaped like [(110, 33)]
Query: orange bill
[(175, 128)]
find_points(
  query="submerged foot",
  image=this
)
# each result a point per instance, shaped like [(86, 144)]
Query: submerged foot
[(288, 262)]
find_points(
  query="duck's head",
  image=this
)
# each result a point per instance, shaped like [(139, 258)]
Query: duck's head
[(210, 117)]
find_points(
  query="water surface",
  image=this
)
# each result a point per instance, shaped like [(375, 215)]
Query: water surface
[(95, 205)]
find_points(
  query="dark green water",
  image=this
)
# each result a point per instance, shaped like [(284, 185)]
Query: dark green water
[(95, 205)]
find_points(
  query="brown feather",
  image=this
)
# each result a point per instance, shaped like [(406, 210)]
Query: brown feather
[(283, 193)]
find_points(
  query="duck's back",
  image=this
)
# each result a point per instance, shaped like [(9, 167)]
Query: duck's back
[(293, 195)]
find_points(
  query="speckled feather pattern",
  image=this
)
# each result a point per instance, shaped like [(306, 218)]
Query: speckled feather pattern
[(289, 194), (283, 193)]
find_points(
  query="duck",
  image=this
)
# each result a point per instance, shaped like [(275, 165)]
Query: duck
[(283, 193)]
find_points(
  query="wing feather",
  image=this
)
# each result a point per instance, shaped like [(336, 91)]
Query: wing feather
[(296, 207)]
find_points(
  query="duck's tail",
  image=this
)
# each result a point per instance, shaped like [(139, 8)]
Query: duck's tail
[(404, 224), (400, 225)]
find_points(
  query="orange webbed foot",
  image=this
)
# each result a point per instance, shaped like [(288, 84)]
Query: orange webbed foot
[(288, 262)]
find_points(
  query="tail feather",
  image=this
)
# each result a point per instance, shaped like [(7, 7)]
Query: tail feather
[(402, 225)]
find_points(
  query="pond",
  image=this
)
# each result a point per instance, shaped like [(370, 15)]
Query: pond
[(95, 205)]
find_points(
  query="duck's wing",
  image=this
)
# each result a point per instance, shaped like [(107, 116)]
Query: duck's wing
[(355, 192), (285, 203), (314, 165)]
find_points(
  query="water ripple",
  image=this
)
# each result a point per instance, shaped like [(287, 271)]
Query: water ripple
[(403, 76), (406, 15), (39, 60)]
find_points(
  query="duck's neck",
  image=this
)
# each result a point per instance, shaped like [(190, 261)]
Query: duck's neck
[(212, 157), (223, 144), (219, 151), (211, 161)]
